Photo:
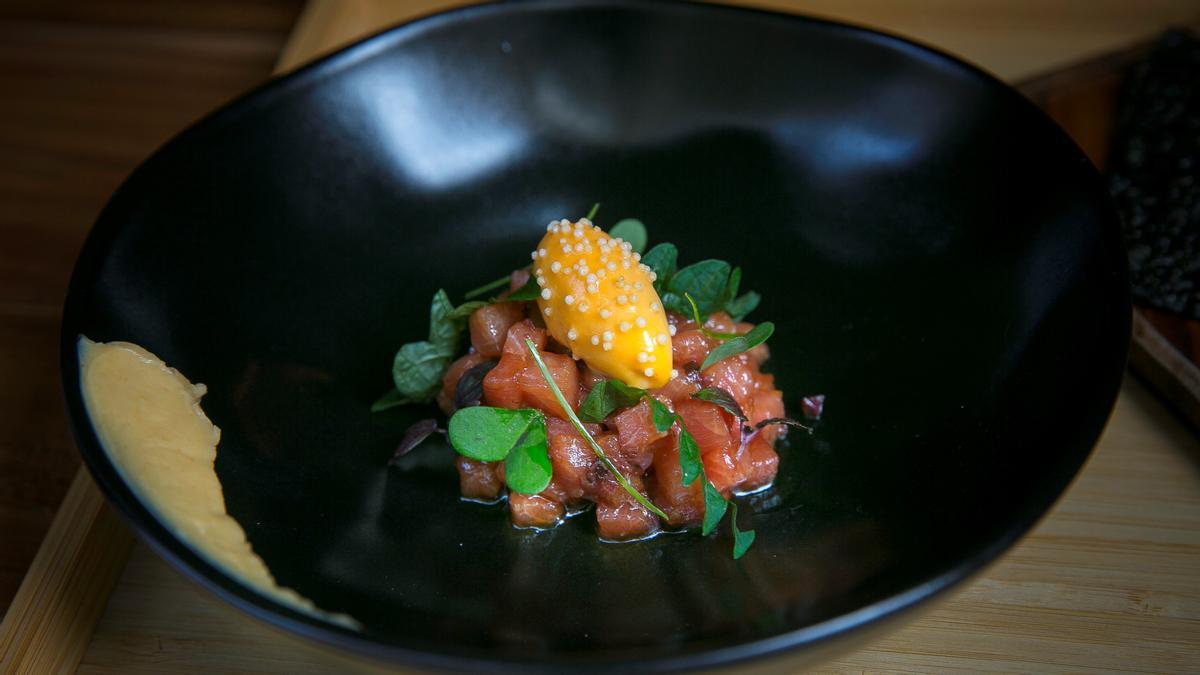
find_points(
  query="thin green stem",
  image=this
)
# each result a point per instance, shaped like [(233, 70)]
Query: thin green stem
[(700, 324), (592, 214), (562, 401), (491, 286)]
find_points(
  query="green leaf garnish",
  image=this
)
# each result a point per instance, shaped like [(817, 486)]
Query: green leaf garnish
[(705, 282), (742, 305), (583, 432), (444, 329), (742, 539), (527, 468), (662, 415), (631, 230), (592, 214), (607, 396), (530, 291), (731, 287), (487, 434), (390, 400), (690, 464), (742, 343), (417, 369), (738, 306), (722, 398), (714, 508), (661, 260)]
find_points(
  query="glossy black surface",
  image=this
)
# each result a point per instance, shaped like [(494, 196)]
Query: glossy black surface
[(938, 257)]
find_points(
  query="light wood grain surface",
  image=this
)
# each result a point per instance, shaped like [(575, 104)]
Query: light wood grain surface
[(1110, 580), (57, 606)]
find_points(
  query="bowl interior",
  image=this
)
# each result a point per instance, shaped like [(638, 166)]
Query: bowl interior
[(937, 256)]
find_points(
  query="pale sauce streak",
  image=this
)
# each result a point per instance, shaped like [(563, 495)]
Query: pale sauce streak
[(148, 419)]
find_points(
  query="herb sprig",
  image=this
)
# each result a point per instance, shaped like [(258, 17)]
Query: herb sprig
[(739, 344)]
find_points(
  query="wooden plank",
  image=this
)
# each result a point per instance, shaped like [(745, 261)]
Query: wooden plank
[(51, 619)]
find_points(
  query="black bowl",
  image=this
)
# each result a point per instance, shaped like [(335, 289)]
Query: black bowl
[(939, 258)]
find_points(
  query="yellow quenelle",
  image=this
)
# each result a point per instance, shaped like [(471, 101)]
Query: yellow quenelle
[(598, 298)]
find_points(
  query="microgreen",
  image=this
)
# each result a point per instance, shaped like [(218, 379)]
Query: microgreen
[(518, 437), (722, 398), (714, 508), (661, 260), (583, 432), (416, 433), (742, 343), (631, 230), (445, 324), (607, 396), (417, 369), (691, 466), (389, 400), (704, 281), (662, 415), (713, 284), (742, 539), (738, 306), (527, 467), (487, 434)]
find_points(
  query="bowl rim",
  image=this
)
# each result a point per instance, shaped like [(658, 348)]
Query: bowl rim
[(213, 578)]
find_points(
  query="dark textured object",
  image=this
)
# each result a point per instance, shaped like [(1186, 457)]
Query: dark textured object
[(1154, 175), (938, 257)]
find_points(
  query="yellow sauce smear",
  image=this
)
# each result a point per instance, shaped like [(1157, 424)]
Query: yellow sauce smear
[(148, 418)]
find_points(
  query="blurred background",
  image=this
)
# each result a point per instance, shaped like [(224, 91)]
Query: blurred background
[(91, 87)]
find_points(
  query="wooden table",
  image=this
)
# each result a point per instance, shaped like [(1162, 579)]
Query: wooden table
[(1109, 580)]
